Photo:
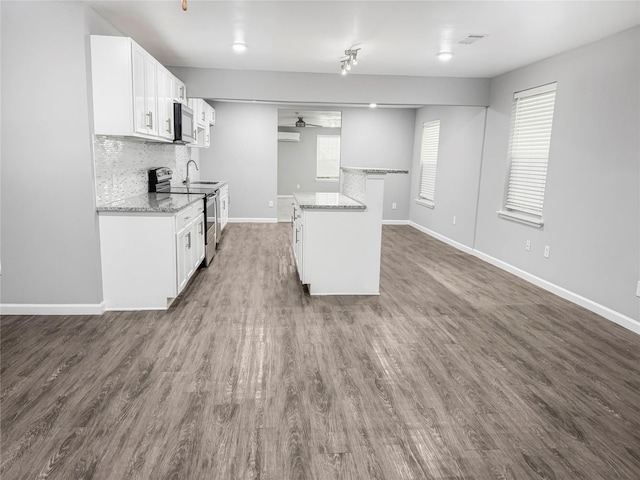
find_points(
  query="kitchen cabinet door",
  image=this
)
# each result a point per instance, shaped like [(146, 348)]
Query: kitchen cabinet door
[(200, 229), (145, 92), (297, 240), (165, 103), (224, 206), (184, 242), (179, 91)]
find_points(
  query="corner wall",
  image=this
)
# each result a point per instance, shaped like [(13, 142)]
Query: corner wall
[(457, 173), (50, 242)]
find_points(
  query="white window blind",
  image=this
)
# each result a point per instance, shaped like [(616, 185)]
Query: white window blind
[(531, 121), (328, 157), (429, 159)]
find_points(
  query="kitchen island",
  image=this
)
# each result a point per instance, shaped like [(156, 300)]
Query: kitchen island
[(337, 237)]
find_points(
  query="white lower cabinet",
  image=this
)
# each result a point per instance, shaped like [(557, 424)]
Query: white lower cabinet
[(224, 206), (148, 258), (296, 241), (190, 244)]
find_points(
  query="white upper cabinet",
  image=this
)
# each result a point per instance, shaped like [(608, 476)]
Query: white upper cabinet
[(204, 116), (165, 103), (199, 107), (133, 94), (145, 91), (179, 91)]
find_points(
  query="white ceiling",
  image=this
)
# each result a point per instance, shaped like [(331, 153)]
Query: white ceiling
[(396, 37)]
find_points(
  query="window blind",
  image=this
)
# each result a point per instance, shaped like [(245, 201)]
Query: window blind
[(531, 122), (328, 156), (429, 159)]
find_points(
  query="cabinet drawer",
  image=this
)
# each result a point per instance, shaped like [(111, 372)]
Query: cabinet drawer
[(188, 215)]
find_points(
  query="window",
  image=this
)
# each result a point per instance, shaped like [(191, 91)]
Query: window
[(428, 161), (529, 141), (328, 157)]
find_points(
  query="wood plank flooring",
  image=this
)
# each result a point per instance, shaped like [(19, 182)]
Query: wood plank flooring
[(457, 370)]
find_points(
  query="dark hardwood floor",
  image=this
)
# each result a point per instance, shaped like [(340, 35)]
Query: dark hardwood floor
[(457, 370)]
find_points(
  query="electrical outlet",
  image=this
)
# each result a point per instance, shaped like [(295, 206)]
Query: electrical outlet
[(394, 205), (547, 248), (271, 203), (454, 219), (638, 289), (527, 247)]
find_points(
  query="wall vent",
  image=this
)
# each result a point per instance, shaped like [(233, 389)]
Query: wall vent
[(471, 38)]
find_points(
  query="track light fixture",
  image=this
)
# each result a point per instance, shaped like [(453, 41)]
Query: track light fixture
[(350, 60)]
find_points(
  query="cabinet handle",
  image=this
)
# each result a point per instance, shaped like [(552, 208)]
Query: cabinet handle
[(186, 218), (189, 240), (296, 235), (168, 125), (149, 119), (200, 228), (181, 93)]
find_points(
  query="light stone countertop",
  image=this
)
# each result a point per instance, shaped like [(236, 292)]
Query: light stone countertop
[(374, 170), (151, 203), (334, 201)]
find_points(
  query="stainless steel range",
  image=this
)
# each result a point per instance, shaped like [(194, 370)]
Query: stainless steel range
[(160, 181)]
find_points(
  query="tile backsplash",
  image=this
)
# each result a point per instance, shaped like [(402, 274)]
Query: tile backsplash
[(121, 166)]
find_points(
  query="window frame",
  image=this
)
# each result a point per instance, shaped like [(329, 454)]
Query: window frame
[(326, 178), (429, 151), (527, 174)]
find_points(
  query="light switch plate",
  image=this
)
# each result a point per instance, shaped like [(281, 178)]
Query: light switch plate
[(638, 289)]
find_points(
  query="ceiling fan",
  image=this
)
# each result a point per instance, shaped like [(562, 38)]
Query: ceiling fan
[(301, 123)]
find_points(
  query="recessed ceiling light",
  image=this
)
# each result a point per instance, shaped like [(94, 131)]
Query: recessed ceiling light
[(239, 47), (373, 105), (444, 56)]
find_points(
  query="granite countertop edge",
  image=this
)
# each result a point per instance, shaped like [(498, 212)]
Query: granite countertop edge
[(310, 201), (149, 203)]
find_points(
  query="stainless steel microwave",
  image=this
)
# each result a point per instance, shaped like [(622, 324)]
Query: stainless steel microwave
[(184, 125)]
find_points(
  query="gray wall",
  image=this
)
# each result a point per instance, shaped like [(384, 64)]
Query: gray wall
[(591, 201), (50, 242), (457, 174), (244, 151), (381, 137), (297, 162), (249, 85)]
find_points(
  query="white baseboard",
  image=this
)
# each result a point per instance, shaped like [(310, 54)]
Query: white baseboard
[(442, 238), (253, 220), (606, 312), (52, 309), (395, 222)]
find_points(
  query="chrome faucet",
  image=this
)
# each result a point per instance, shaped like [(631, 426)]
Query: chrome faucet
[(187, 180)]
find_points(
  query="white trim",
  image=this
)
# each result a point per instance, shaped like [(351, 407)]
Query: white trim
[(425, 203), (529, 92), (442, 238), (285, 196), (521, 218), (395, 222), (52, 309), (606, 312), (253, 220)]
